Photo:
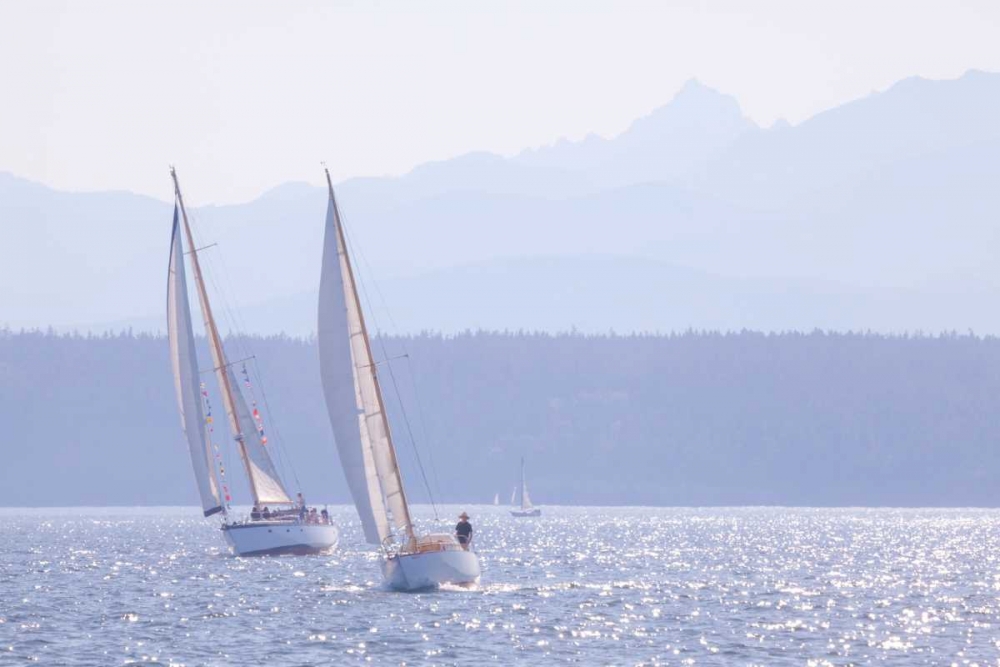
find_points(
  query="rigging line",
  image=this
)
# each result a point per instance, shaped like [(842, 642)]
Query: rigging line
[(274, 425), (227, 296), (409, 432), (231, 363), (409, 363), (285, 461), (239, 339), (399, 398), (420, 416)]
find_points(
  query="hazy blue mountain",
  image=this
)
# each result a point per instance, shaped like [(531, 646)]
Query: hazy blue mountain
[(671, 141), (71, 257), (831, 153), (879, 213)]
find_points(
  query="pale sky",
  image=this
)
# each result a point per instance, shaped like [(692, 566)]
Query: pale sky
[(243, 96)]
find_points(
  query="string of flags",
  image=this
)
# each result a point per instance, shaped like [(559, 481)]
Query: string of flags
[(258, 421), (211, 440)]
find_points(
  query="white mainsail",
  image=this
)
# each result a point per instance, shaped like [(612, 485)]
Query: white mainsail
[(525, 498), (183, 359), (353, 397)]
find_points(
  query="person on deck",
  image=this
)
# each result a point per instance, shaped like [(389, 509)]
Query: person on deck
[(255, 513), (266, 513), (463, 531), (325, 516)]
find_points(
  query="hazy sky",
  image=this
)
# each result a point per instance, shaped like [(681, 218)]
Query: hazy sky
[(242, 96)]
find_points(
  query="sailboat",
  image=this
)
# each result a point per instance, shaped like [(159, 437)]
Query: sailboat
[(526, 509), (410, 560), (290, 528), (496, 499)]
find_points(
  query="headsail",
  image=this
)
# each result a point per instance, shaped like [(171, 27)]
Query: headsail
[(353, 397), (183, 359), (266, 482)]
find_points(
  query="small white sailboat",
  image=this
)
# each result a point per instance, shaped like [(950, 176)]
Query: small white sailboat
[(496, 499), (411, 561), (526, 509), (289, 528)]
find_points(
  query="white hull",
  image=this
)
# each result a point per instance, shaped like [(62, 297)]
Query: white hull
[(412, 572), (274, 538), (535, 511)]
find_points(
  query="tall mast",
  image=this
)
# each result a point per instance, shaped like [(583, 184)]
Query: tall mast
[(215, 344), (371, 360)]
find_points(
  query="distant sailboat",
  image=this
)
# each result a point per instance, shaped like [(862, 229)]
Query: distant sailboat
[(496, 499), (527, 509), (361, 429), (287, 529)]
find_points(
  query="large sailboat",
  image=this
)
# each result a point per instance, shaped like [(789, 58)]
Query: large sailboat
[(411, 561), (277, 524), (526, 508)]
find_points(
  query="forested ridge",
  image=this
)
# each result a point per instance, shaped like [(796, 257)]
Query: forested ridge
[(695, 418)]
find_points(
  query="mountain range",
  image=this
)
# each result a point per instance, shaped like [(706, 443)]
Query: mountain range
[(878, 214)]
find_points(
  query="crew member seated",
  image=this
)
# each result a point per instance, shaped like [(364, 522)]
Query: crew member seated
[(255, 513)]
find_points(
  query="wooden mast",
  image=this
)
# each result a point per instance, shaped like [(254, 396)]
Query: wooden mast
[(215, 345), (371, 360)]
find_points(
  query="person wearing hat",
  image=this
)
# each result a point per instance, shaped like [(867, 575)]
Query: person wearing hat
[(463, 531)]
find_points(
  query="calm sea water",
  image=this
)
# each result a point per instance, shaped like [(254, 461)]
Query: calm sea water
[(619, 586)]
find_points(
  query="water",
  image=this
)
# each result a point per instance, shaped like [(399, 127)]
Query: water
[(618, 586)]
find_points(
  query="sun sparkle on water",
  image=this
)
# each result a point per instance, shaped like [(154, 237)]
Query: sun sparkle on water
[(580, 585)]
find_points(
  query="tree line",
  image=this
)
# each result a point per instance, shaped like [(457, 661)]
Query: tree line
[(690, 418)]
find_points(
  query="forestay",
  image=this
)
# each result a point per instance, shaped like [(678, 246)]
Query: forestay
[(353, 398), (183, 359)]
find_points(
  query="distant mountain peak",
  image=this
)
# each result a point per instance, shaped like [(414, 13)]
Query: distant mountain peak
[(694, 106), (288, 191), (694, 102), (693, 88)]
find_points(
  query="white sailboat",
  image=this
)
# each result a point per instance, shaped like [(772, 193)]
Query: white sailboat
[(496, 499), (290, 528), (411, 561), (526, 509)]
